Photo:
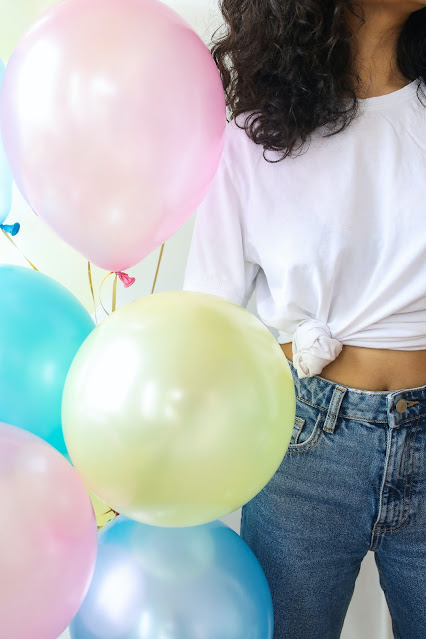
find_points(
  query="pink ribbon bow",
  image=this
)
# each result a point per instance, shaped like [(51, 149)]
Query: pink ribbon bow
[(126, 279)]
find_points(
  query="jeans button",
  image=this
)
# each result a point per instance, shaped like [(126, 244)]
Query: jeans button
[(401, 405)]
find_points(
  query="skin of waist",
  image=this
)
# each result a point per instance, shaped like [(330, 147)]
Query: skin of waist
[(374, 369)]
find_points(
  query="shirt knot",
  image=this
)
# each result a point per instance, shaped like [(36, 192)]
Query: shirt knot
[(313, 347)]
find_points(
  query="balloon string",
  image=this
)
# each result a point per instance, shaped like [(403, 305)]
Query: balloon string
[(158, 268), (100, 291), (114, 294), (127, 281), (18, 249), (89, 266)]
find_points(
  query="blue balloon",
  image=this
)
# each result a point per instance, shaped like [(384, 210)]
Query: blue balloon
[(42, 326), (5, 174), (200, 582)]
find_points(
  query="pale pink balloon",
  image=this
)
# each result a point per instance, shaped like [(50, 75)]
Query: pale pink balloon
[(48, 538), (113, 118)]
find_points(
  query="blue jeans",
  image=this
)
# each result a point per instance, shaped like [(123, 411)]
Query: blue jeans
[(352, 480)]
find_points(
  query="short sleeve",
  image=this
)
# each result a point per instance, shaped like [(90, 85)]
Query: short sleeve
[(218, 261)]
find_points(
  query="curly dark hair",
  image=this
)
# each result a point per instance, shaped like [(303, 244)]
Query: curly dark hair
[(287, 64)]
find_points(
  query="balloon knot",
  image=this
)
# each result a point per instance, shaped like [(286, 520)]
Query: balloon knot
[(126, 279), (13, 229)]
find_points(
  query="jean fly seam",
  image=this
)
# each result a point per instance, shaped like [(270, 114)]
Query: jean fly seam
[(388, 449), (406, 472), (402, 521)]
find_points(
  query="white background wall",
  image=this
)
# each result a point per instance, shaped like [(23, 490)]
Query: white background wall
[(367, 617)]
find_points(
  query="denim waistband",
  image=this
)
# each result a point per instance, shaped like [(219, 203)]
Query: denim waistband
[(395, 408)]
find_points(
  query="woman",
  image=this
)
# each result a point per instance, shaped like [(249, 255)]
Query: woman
[(319, 206)]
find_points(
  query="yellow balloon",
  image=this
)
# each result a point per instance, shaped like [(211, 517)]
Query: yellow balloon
[(178, 408), (15, 18)]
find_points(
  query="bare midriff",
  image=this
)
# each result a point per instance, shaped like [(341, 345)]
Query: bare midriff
[(374, 369)]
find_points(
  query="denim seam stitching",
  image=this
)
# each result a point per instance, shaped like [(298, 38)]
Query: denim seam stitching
[(412, 418), (363, 419), (310, 403), (379, 421), (303, 450)]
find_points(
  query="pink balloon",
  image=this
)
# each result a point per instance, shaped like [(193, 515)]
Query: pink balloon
[(113, 118), (48, 538)]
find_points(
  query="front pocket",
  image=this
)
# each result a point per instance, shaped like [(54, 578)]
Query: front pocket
[(307, 429)]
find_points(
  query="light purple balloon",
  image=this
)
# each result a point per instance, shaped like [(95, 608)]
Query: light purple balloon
[(48, 538)]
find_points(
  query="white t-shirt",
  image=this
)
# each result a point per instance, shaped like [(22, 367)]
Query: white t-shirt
[(333, 242)]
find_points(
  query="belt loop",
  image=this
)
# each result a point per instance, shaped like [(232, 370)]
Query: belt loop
[(333, 409)]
